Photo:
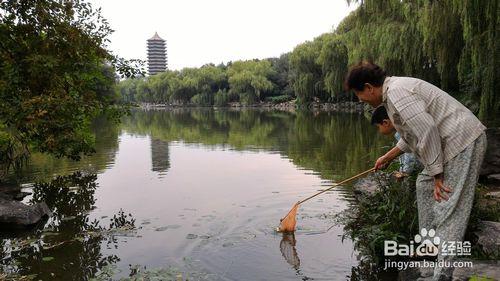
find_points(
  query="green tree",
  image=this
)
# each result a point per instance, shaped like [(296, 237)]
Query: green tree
[(281, 76), (450, 43), (55, 77), (306, 73), (333, 59), (249, 79), (209, 80)]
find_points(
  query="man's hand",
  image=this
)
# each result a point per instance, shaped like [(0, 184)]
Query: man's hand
[(440, 188), (387, 158), (381, 162)]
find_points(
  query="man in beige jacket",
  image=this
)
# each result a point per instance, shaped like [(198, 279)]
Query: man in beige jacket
[(447, 138)]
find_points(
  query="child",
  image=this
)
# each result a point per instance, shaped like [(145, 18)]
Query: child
[(408, 162)]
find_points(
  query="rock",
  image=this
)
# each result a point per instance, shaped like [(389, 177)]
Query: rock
[(483, 270), (14, 214), (480, 268), (488, 238), (491, 163), (368, 185), (416, 273), (20, 195)]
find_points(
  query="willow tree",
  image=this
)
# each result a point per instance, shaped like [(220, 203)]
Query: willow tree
[(451, 43), (480, 56), (159, 85), (183, 86), (249, 79), (306, 73), (442, 33), (333, 60), (209, 80), (386, 33)]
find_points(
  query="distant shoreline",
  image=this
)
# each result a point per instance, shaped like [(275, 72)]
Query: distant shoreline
[(348, 107)]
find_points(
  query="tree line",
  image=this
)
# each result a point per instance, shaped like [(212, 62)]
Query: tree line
[(449, 43), (56, 74)]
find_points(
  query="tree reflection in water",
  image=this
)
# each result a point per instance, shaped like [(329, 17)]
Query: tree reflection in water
[(69, 245), (74, 245)]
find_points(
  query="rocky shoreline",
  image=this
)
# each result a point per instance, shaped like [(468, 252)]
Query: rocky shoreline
[(347, 107)]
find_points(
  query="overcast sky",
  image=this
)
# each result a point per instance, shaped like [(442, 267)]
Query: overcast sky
[(214, 31)]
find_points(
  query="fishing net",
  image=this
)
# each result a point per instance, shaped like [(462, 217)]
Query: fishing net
[(288, 223)]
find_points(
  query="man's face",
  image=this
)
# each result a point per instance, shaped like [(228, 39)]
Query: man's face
[(386, 127), (370, 94)]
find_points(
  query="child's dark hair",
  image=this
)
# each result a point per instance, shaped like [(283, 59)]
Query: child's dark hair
[(379, 115), (362, 73)]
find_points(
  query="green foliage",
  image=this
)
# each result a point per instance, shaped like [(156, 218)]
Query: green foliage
[(55, 77), (249, 79), (449, 43), (13, 152), (221, 98), (333, 59), (246, 81), (279, 99), (389, 213), (280, 76), (480, 278), (481, 52), (306, 71)]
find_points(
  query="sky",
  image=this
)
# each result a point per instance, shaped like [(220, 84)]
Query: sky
[(214, 31)]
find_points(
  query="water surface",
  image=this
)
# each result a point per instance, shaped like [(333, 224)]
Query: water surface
[(198, 192)]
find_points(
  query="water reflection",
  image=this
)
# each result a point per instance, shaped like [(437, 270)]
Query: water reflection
[(69, 245), (42, 167), (160, 156), (287, 249), (206, 187), (333, 145)]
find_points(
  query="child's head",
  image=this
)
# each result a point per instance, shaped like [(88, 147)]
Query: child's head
[(381, 119)]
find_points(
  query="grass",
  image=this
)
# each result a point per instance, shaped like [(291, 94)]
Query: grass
[(388, 214), (391, 213)]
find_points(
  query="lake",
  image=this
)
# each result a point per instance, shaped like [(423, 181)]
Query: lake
[(198, 193)]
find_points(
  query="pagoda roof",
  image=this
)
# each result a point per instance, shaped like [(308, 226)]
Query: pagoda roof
[(156, 37)]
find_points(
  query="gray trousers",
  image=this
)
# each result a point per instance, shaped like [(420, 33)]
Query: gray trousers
[(449, 218)]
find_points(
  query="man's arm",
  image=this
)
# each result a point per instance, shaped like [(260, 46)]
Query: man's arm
[(388, 157)]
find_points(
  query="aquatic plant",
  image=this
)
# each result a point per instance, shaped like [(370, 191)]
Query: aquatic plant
[(390, 213)]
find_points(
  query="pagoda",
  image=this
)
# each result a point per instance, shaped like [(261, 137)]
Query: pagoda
[(157, 55)]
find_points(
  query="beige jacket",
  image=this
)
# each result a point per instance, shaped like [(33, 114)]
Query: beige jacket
[(432, 124)]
